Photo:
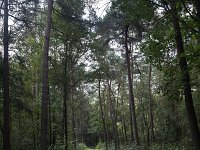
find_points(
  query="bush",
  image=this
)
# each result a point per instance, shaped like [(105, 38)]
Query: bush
[(133, 147), (100, 146), (167, 146), (81, 146)]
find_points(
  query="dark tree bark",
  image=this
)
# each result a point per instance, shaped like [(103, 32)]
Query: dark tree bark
[(50, 127), (151, 107), (113, 118), (73, 120), (54, 131), (105, 110), (65, 127), (35, 116), (124, 125), (145, 125), (131, 96), (122, 115), (45, 93), (131, 122), (185, 77), (103, 116), (124, 130), (65, 98), (6, 98), (74, 128)]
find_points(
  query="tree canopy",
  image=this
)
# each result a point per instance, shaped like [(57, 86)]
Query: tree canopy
[(73, 80)]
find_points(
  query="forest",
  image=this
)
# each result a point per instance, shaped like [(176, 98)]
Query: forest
[(100, 74)]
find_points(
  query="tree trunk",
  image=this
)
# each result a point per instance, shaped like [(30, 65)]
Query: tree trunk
[(45, 87), (103, 116), (124, 125), (50, 127), (151, 107), (65, 116), (36, 115), (131, 122), (131, 96), (74, 125), (6, 98), (113, 118), (144, 121), (185, 78), (105, 110), (34, 125), (65, 97), (54, 131)]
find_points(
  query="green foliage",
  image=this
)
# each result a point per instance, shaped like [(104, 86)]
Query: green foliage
[(81, 146), (100, 146), (130, 9), (167, 146), (84, 51)]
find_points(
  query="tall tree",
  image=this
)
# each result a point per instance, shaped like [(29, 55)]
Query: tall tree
[(131, 96), (102, 113), (185, 77), (151, 105), (45, 87), (6, 102), (113, 116)]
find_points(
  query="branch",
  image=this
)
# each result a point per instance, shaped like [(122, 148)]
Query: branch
[(39, 24), (25, 21), (107, 4), (111, 38), (138, 68), (191, 28), (166, 6), (156, 4), (69, 17), (73, 19), (193, 17)]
